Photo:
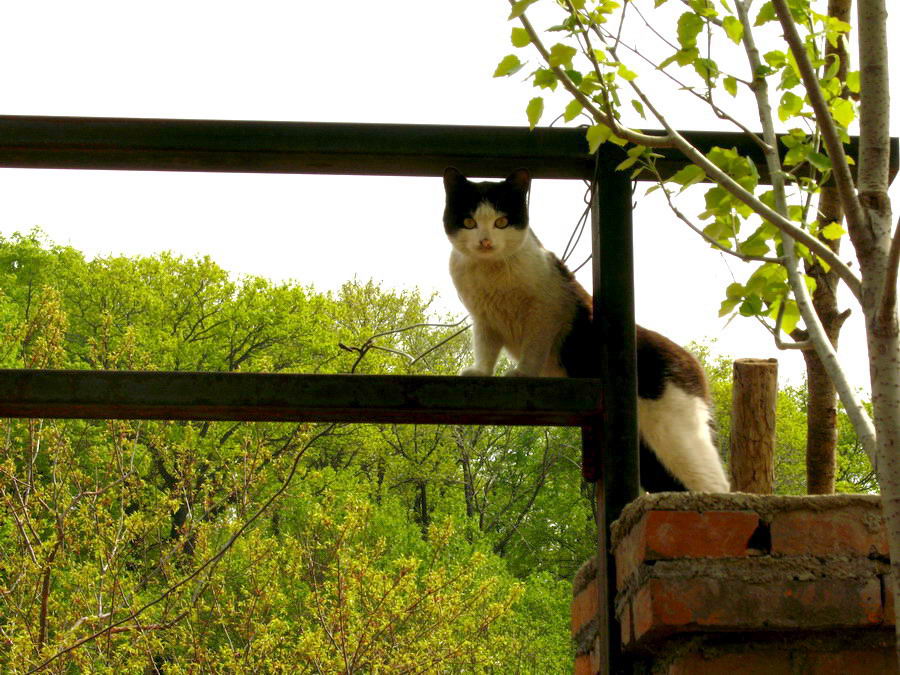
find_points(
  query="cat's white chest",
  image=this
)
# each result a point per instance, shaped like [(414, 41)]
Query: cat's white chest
[(513, 296)]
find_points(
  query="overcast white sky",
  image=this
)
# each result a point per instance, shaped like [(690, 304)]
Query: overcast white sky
[(406, 61)]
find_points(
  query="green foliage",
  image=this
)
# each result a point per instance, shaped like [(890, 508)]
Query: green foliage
[(391, 549)]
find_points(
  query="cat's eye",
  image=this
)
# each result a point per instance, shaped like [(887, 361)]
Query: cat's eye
[(501, 222), (469, 223)]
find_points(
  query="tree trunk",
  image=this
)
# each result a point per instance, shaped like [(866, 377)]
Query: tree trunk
[(421, 507), (821, 427), (821, 413), (872, 241)]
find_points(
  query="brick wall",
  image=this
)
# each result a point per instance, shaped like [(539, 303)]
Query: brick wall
[(740, 583)]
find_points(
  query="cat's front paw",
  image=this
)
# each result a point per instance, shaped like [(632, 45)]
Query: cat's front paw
[(518, 372), (474, 371)]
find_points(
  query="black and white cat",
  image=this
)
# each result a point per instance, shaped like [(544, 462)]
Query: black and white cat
[(523, 299)]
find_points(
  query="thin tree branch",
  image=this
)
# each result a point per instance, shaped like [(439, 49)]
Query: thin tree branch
[(888, 305), (630, 135), (724, 249), (776, 333), (833, 145)]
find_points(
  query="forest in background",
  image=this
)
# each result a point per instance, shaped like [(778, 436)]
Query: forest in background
[(188, 547)]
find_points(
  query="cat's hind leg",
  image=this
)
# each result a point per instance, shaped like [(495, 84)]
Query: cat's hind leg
[(676, 427)]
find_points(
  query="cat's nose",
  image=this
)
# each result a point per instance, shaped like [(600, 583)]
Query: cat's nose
[(486, 243)]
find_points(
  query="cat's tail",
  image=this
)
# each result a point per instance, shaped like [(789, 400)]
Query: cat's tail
[(677, 426)]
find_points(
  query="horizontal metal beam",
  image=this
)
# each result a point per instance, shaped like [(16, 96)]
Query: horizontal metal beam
[(289, 147), (101, 394), (320, 148)]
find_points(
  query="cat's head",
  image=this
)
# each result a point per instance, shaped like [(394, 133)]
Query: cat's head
[(487, 220)]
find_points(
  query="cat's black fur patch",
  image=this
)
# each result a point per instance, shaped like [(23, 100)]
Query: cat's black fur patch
[(463, 197), (659, 360)]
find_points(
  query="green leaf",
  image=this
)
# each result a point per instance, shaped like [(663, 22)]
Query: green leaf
[(534, 110), (755, 246), (703, 7), (707, 69), (833, 231), (728, 306), (853, 81), (688, 175), (766, 14), (627, 162), (730, 85), (820, 161), (734, 291), (509, 65), (520, 7), (575, 76), (689, 27), (733, 28), (545, 79), (791, 316), (776, 59), (686, 57), (597, 135), (572, 110), (842, 111), (639, 107), (589, 84), (752, 306), (791, 105), (808, 280), (797, 154), (833, 67), (520, 37), (561, 55), (625, 73)]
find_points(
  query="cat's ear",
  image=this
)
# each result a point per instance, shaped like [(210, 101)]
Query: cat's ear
[(520, 179), (453, 179)]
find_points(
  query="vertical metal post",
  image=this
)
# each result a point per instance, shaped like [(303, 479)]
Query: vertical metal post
[(616, 459)]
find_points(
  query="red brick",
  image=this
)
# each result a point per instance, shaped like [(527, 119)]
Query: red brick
[(670, 535), (585, 606), (583, 665), (667, 605), (641, 615), (825, 533), (853, 662), (756, 663)]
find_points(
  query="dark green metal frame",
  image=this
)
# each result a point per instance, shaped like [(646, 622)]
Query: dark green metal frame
[(608, 422)]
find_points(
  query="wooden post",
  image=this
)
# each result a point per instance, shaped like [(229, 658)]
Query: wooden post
[(753, 425)]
